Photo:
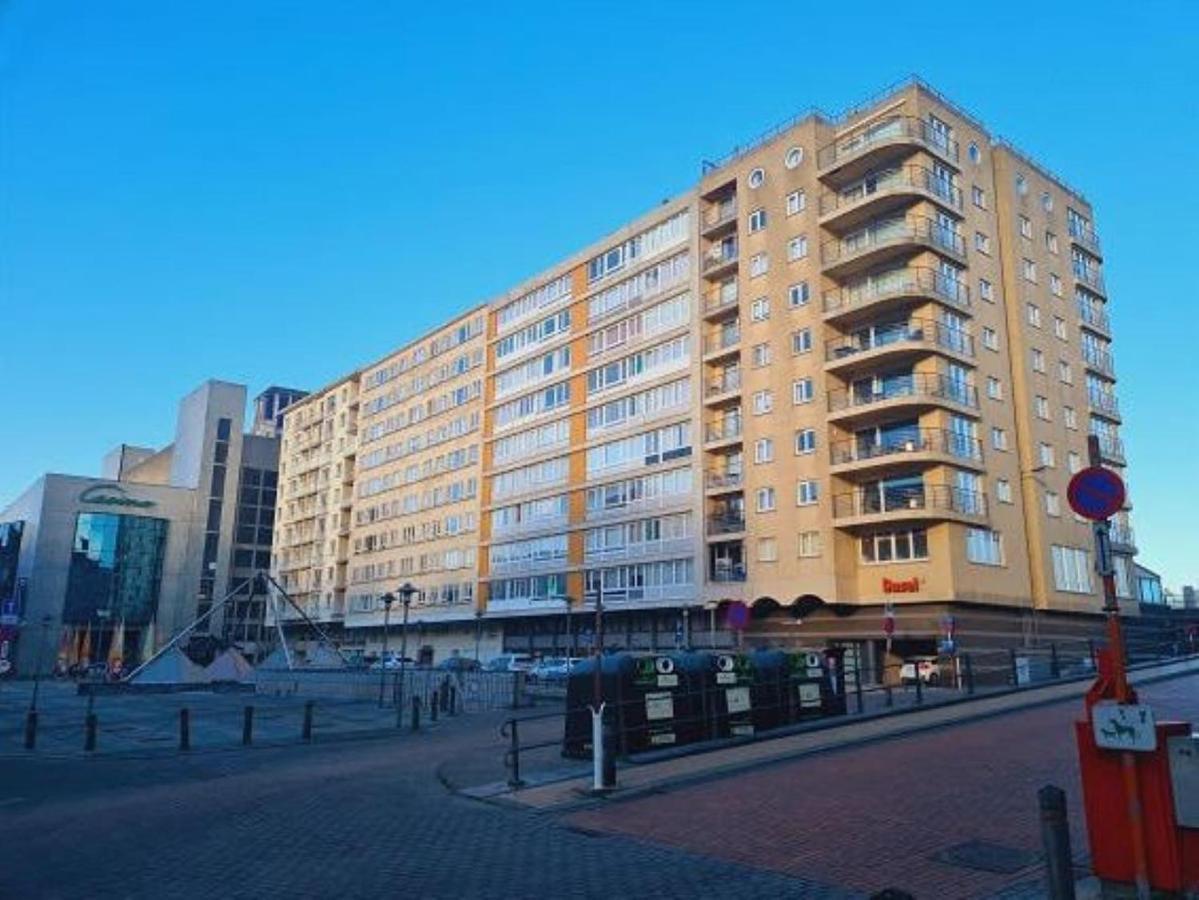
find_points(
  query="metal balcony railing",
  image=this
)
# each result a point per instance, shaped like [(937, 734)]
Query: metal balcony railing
[(1122, 535), (892, 181), (1091, 277), (1111, 448), (719, 214), (920, 332), (723, 480), (727, 430), (1093, 317), (729, 381), (723, 339), (893, 232), (728, 574), (1104, 402), (912, 281), (721, 299), (916, 386), (897, 129), (725, 524), (720, 255), (1085, 237), (1098, 359), (906, 499), (922, 440)]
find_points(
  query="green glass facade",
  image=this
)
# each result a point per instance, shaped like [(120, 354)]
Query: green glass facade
[(116, 567)]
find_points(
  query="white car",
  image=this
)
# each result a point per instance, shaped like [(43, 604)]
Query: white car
[(928, 667), (510, 662)]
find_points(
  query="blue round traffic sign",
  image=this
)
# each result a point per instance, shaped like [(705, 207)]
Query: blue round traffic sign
[(737, 616), (1096, 493)]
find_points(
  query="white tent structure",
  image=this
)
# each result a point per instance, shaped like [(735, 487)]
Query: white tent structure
[(171, 667), (229, 666)]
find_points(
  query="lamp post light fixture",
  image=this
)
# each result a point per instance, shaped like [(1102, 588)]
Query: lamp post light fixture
[(406, 592), (570, 637), (478, 631), (37, 666), (387, 599)]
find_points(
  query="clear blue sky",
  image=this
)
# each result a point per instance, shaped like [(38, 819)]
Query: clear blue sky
[(277, 192)]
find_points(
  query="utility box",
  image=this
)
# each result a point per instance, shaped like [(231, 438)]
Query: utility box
[(807, 685), (666, 707), (731, 706)]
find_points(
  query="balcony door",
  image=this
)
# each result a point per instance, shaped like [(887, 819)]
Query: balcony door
[(963, 436)]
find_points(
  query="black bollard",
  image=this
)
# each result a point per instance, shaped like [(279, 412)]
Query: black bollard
[(306, 733), (416, 713), (89, 732), (1015, 671), (31, 729), (1055, 838), (1055, 665), (433, 705), (453, 700), (969, 666), (185, 729), (247, 726)]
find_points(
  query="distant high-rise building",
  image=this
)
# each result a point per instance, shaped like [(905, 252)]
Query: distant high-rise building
[(269, 407)]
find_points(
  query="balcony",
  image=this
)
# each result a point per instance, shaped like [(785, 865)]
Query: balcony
[(1099, 361), (916, 390), (733, 574), (1091, 277), (863, 147), (928, 501), (720, 259), (727, 430), (877, 193), (639, 550), (725, 524), (1111, 450), (726, 340), (721, 301), (1084, 237), (912, 283), (1104, 403), (724, 387), (887, 239), (1122, 538), (723, 481), (719, 218), (924, 445), (890, 342), (1095, 319)]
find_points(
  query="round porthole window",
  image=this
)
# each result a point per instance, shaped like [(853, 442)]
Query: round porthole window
[(793, 158), (1047, 201), (756, 177), (975, 153), (1021, 185)]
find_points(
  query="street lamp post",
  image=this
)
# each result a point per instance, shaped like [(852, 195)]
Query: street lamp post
[(478, 631), (387, 599), (686, 627), (406, 592), (37, 666)]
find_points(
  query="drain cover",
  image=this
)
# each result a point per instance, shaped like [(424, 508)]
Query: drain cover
[(987, 857)]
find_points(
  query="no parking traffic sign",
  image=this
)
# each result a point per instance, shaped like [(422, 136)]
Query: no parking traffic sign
[(1096, 493)]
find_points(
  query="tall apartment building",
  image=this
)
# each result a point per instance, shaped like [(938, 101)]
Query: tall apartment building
[(856, 365)]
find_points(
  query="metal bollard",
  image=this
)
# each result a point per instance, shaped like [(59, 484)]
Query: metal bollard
[(857, 683), (1055, 666), (919, 686), (416, 713), (969, 673), (1055, 839), (247, 726), (31, 729), (89, 732), (1094, 656), (433, 708), (609, 737), (453, 700), (306, 731), (889, 699), (185, 729)]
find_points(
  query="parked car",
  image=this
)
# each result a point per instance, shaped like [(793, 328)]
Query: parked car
[(510, 662), (459, 664), (551, 668), (391, 662), (927, 666)]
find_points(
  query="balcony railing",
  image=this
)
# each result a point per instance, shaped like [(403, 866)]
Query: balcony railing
[(1085, 238), (920, 332), (722, 340), (728, 430), (889, 233), (1103, 402), (1111, 448), (720, 214), (639, 550), (913, 281), (725, 524), (893, 181), (729, 381), (906, 499), (926, 385), (717, 481), (922, 440), (728, 574), (719, 256), (1098, 359), (721, 299), (889, 131), (1094, 317), (1122, 535), (1091, 277)]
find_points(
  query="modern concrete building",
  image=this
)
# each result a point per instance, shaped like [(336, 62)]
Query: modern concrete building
[(854, 367), (136, 554)]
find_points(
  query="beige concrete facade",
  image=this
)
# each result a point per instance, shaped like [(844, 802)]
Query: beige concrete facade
[(816, 378)]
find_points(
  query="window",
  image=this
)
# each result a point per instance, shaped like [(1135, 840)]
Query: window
[(797, 248), (759, 310), (759, 264), (1071, 569), (1047, 201), (809, 544), (807, 493), (982, 243), (1059, 328), (1064, 372), (756, 178), (887, 546), (979, 196), (757, 220), (1025, 227), (805, 441), (1029, 269), (1034, 315), (985, 290), (999, 438), (1055, 284), (763, 450), (1070, 417), (1021, 185), (1051, 242), (801, 391), (763, 402), (994, 388), (1038, 361), (801, 341), (765, 499), (797, 201), (990, 339), (768, 550), (793, 158), (1046, 455), (1053, 504), (1003, 490), (798, 295), (760, 355), (984, 546), (1041, 406), (1073, 462)]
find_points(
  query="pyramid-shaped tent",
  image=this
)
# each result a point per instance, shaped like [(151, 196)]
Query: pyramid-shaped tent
[(229, 666), (173, 667), (322, 656)]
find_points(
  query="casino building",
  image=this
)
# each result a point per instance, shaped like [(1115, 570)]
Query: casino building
[(102, 568)]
